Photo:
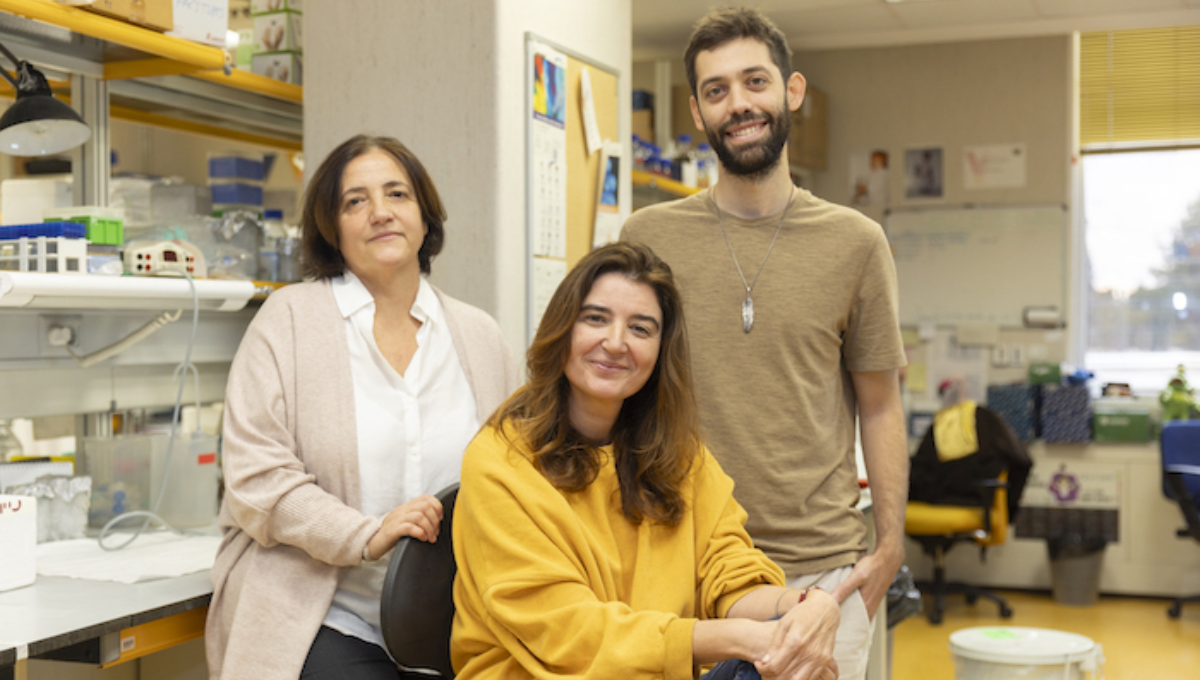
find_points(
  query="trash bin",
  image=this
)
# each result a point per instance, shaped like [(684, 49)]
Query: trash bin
[(1075, 562), (903, 598)]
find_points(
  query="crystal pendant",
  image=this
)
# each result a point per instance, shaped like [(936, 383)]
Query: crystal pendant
[(747, 314)]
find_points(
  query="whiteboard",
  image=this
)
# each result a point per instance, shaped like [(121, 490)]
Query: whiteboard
[(979, 264)]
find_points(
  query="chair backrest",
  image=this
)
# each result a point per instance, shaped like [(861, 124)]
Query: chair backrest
[(1180, 446), (417, 606)]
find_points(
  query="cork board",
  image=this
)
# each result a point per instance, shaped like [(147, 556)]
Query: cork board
[(583, 171), (563, 179)]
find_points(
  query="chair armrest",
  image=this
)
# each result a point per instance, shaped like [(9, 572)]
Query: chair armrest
[(987, 495)]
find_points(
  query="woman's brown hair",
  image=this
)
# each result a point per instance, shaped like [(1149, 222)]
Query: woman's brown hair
[(655, 438), (321, 255)]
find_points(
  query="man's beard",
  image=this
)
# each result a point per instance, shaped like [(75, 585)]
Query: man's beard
[(756, 160)]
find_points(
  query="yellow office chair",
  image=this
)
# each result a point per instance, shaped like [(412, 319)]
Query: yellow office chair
[(966, 481), (939, 527)]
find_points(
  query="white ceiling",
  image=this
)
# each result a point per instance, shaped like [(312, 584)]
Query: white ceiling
[(661, 27)]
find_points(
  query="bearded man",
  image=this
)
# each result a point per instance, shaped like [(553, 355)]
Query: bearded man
[(792, 316)]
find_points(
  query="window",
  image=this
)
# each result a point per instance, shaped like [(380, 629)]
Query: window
[(1142, 226), (1140, 135)]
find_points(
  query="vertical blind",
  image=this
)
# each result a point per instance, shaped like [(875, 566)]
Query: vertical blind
[(1139, 88)]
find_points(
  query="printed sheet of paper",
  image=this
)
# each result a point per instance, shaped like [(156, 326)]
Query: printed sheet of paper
[(548, 152), (591, 129), (547, 274), (999, 166)]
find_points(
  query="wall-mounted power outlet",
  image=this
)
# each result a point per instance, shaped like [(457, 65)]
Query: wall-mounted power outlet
[(56, 332)]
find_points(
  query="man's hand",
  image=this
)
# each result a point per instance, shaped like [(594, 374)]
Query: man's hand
[(872, 575)]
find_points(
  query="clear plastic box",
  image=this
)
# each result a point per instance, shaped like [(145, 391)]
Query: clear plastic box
[(127, 473)]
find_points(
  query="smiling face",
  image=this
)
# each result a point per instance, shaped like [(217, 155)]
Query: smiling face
[(614, 348), (743, 104), (380, 230)]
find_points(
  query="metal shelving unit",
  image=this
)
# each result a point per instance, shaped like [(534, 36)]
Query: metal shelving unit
[(150, 77)]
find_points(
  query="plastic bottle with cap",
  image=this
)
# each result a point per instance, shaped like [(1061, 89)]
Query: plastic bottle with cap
[(708, 165), (268, 253)]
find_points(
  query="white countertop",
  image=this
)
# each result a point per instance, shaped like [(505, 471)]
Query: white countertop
[(57, 611)]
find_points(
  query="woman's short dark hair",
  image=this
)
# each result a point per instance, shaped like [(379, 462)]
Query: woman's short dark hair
[(321, 254), (656, 436), (725, 24)]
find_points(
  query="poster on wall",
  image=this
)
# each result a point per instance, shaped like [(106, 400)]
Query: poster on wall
[(548, 150), (923, 172), (868, 177), (997, 166), (608, 203), (1077, 499)]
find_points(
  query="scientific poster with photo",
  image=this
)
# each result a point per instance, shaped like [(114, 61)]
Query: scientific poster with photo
[(548, 150), (923, 176), (868, 177)]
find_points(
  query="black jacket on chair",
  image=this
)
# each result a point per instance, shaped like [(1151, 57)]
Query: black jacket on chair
[(954, 482)]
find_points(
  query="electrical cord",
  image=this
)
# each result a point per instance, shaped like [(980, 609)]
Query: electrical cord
[(181, 371), (132, 339)]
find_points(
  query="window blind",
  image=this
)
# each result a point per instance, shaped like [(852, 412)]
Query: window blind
[(1139, 89)]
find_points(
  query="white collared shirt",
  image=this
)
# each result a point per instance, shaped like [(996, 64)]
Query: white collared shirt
[(412, 431)]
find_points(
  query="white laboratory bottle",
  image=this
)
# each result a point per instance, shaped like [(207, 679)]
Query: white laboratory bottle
[(268, 250)]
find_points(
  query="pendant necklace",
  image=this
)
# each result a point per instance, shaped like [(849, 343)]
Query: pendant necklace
[(748, 303)]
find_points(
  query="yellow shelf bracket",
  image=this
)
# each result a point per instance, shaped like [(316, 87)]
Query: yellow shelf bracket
[(146, 68)]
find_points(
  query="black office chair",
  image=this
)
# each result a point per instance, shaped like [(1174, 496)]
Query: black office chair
[(964, 497), (417, 607), (1180, 445)]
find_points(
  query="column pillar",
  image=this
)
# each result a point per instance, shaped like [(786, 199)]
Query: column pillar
[(448, 79)]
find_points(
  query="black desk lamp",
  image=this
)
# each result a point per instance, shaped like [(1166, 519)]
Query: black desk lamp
[(37, 124)]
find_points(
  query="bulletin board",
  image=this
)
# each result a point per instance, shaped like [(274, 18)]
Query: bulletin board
[(979, 264), (582, 180)]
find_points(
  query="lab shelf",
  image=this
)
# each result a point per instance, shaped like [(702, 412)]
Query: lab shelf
[(649, 189), (153, 78), (88, 291)]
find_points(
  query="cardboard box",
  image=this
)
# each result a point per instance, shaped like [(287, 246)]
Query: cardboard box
[(237, 193), (18, 535), (232, 165), (285, 66), (202, 21), (1066, 415), (1017, 405), (156, 14), (1045, 374), (1121, 420), (264, 6), (278, 32), (25, 200)]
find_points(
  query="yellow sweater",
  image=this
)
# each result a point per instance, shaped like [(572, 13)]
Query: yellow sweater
[(556, 585)]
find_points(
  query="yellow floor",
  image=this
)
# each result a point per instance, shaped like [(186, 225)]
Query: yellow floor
[(1139, 640)]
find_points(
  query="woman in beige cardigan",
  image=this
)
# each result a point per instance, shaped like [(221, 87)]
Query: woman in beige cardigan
[(350, 400)]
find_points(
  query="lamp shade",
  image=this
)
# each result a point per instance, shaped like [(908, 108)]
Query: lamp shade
[(37, 124)]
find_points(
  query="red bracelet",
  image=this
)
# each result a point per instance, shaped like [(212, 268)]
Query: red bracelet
[(804, 593)]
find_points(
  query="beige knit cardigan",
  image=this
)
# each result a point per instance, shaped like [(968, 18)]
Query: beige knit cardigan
[(291, 516)]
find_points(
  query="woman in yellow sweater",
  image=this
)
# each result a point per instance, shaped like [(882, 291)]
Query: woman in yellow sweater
[(596, 537)]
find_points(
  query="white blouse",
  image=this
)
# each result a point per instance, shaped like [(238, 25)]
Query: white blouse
[(412, 431)]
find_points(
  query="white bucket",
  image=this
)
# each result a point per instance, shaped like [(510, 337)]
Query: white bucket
[(1014, 653)]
